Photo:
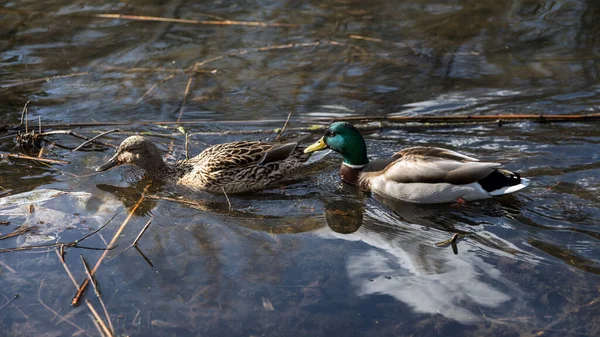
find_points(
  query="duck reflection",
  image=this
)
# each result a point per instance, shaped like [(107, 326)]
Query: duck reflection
[(344, 216), (401, 260)]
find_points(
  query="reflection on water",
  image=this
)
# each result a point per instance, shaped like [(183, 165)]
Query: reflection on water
[(313, 258), (403, 261)]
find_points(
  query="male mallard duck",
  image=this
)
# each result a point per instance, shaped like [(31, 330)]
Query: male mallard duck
[(418, 174), (233, 167)]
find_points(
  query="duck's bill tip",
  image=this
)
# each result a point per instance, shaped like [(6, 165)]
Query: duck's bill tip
[(319, 145), (107, 166)]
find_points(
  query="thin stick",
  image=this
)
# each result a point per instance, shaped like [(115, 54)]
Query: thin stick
[(7, 267), (99, 320), (143, 70), (9, 302), (141, 233), (185, 95), (96, 324), (268, 48), (43, 160), (76, 135), (94, 138), (284, 126), (181, 109), (144, 256), (187, 136), (97, 292), (226, 197), (97, 230), (64, 264), (26, 120), (90, 277), (81, 289), (62, 318), (18, 231), (154, 87), (193, 22), (90, 307), (52, 245), (372, 39), (45, 79), (24, 112), (355, 119)]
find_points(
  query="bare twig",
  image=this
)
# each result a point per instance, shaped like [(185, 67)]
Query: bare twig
[(97, 230), (141, 233), (24, 112), (187, 138), (226, 197), (181, 109), (43, 160), (45, 79), (7, 267), (76, 135), (90, 277), (154, 86), (270, 48), (372, 39), (9, 302), (192, 22), (56, 313), (185, 95), (62, 261), (97, 292), (62, 245), (64, 264), (144, 256), (355, 119), (99, 319), (52, 245), (81, 290), (18, 231), (284, 126), (143, 70), (94, 138), (95, 322)]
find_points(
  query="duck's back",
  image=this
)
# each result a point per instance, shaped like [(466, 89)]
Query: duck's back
[(241, 166), (436, 175)]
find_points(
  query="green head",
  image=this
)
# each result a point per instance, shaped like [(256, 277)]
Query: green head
[(345, 139)]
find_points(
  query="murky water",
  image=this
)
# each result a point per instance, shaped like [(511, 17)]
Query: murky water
[(314, 258)]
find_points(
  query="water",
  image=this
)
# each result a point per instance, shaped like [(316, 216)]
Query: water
[(315, 258)]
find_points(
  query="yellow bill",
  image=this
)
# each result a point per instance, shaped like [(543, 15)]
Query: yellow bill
[(319, 145)]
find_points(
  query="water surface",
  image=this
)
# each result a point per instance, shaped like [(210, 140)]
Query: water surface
[(313, 258)]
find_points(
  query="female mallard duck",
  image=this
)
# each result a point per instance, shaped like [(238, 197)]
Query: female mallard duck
[(418, 174), (231, 167)]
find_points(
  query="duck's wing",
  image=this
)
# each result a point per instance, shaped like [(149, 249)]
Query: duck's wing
[(243, 154), (433, 152), (436, 165), (277, 153)]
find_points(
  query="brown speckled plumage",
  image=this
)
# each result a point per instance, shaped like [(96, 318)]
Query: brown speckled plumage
[(233, 167)]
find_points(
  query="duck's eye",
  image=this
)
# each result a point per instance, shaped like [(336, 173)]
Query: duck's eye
[(330, 133)]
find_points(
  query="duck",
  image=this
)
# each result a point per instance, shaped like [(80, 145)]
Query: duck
[(235, 167), (423, 175)]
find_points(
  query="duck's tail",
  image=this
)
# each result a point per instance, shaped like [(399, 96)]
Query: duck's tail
[(502, 182)]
